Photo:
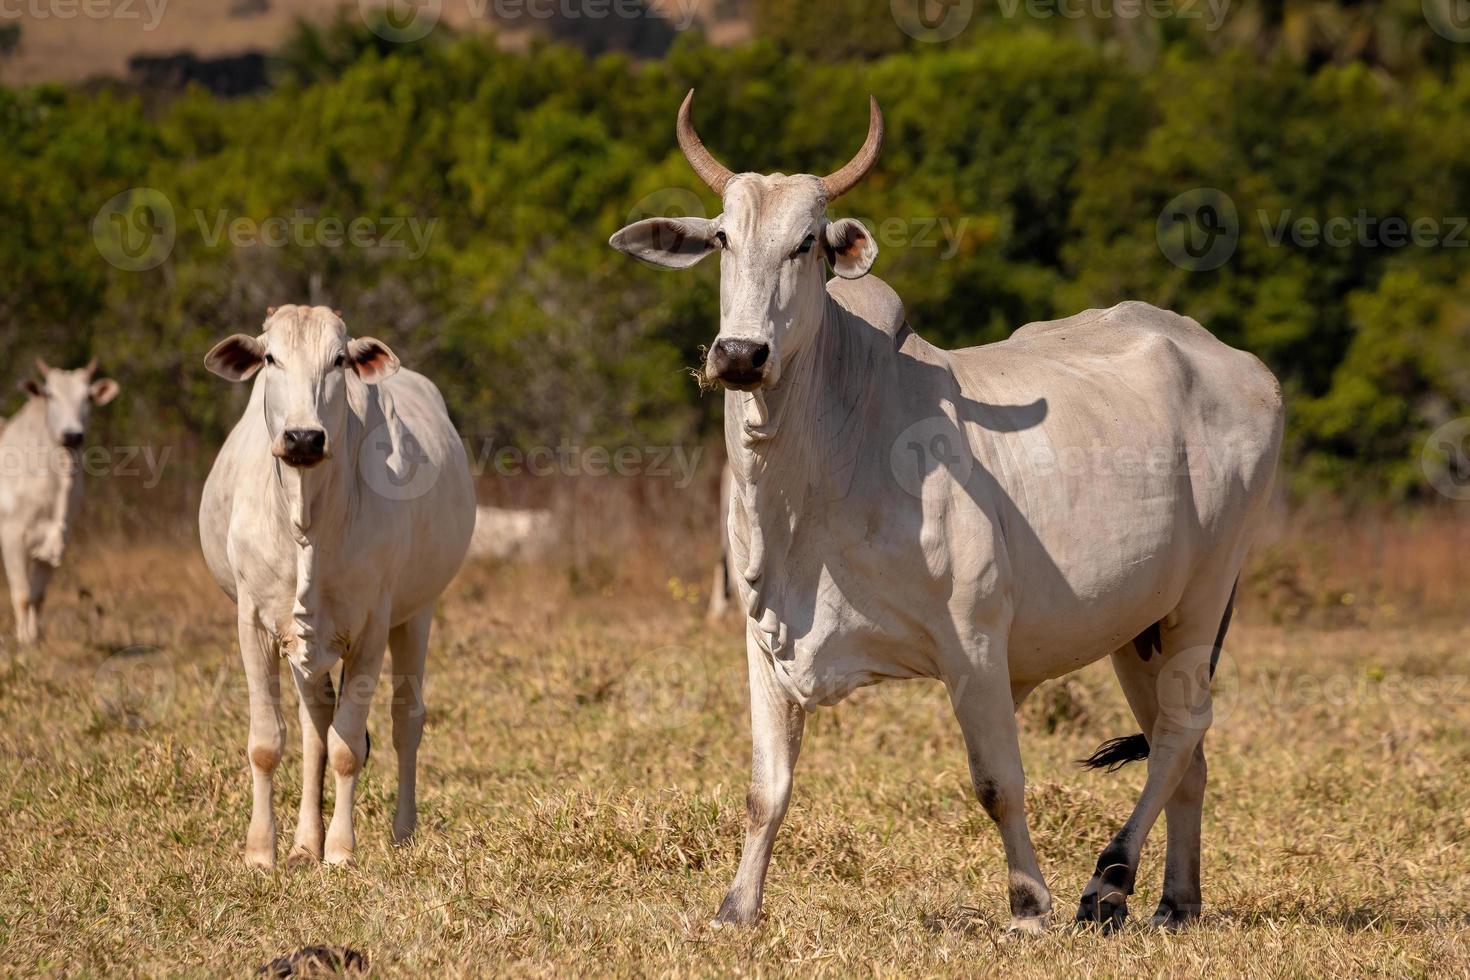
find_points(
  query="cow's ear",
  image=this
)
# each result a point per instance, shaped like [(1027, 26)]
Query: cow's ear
[(372, 360), (236, 358), (33, 387), (103, 390), (850, 248), (674, 243)]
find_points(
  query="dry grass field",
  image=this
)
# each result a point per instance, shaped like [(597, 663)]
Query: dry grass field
[(583, 773)]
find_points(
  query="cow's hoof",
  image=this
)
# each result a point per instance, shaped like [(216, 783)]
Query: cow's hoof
[(1033, 925), (260, 860), (1172, 919), (301, 857), (1099, 912), (734, 914)]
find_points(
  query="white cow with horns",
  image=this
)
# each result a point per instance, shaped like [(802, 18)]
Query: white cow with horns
[(41, 482), (991, 517), (337, 512)]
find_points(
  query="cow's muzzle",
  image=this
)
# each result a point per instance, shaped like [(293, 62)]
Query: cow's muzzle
[(739, 364), (302, 447)]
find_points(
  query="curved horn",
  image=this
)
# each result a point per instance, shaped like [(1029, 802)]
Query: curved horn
[(43, 367), (91, 367), (843, 180), (710, 170)]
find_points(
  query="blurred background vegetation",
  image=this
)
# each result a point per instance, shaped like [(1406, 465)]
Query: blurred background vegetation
[(1048, 146)]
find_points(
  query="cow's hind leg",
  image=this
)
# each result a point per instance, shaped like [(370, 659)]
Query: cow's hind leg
[(1179, 903), (985, 707), (38, 577), (409, 644), (1182, 713), (317, 703), (776, 726), (347, 741)]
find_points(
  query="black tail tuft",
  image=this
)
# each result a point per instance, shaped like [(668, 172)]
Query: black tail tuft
[(1116, 753)]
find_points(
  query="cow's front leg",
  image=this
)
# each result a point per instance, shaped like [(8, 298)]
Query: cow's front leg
[(18, 575), (985, 707), (267, 737), (347, 742), (776, 726), (317, 702)]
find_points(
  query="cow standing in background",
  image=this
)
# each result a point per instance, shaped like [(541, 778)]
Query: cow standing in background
[(41, 482), (339, 508), (991, 517)]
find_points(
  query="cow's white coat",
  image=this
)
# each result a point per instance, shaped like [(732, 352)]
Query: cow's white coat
[(336, 561), (991, 517), (41, 483)]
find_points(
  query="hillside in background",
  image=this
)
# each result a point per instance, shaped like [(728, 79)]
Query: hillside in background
[(156, 40)]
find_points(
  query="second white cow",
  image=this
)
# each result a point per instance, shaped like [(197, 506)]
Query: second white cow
[(337, 512), (41, 482)]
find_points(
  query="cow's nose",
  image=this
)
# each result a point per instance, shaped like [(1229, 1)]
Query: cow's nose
[(71, 438), (739, 363), (304, 447)]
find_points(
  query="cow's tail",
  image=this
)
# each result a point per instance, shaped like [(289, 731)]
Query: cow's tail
[(1116, 753)]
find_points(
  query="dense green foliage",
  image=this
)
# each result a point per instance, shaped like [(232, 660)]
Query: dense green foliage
[(1025, 170)]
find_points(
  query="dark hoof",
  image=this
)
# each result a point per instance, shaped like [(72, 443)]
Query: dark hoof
[(1094, 912), (1172, 919)]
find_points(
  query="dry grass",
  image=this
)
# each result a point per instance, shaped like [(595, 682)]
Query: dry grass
[(581, 797)]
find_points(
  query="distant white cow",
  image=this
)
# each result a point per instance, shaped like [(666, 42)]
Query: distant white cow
[(507, 533), (992, 517), (337, 512), (41, 482)]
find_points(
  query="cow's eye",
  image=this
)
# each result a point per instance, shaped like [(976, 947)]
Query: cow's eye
[(270, 359), (805, 246), (340, 361), (720, 237)]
